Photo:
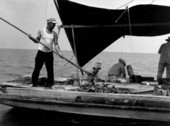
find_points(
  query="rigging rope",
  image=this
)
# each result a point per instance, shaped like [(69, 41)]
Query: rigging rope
[(121, 15), (46, 9), (65, 64), (130, 28), (152, 1), (125, 4)]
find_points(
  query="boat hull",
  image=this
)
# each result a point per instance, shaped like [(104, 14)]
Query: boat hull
[(127, 106)]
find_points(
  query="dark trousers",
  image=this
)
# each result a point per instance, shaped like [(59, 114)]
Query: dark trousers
[(40, 59)]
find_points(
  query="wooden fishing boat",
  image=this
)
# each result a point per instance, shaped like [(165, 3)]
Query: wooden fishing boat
[(113, 100)]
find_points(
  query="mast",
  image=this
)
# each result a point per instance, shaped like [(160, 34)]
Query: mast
[(75, 52)]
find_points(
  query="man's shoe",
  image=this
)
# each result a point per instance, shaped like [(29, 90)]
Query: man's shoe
[(49, 86)]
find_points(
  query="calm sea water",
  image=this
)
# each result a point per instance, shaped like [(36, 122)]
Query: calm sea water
[(15, 63)]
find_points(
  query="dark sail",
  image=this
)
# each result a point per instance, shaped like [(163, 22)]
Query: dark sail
[(97, 27)]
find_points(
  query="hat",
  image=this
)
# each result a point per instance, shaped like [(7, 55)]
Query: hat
[(52, 20), (97, 66), (122, 61), (168, 39)]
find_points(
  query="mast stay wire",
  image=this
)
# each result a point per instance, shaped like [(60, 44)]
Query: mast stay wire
[(124, 10), (121, 15), (130, 27), (125, 4), (46, 9), (130, 30), (152, 1), (131, 2)]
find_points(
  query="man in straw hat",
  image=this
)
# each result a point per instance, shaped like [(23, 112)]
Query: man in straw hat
[(164, 61), (48, 37), (117, 70)]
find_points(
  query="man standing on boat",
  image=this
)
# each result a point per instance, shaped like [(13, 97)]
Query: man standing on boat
[(48, 37), (117, 70), (164, 61)]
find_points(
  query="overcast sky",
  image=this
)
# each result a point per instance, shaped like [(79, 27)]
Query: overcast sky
[(31, 15)]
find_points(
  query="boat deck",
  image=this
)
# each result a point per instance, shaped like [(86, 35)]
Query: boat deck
[(69, 84)]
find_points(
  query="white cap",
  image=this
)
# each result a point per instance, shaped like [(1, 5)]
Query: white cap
[(52, 20)]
